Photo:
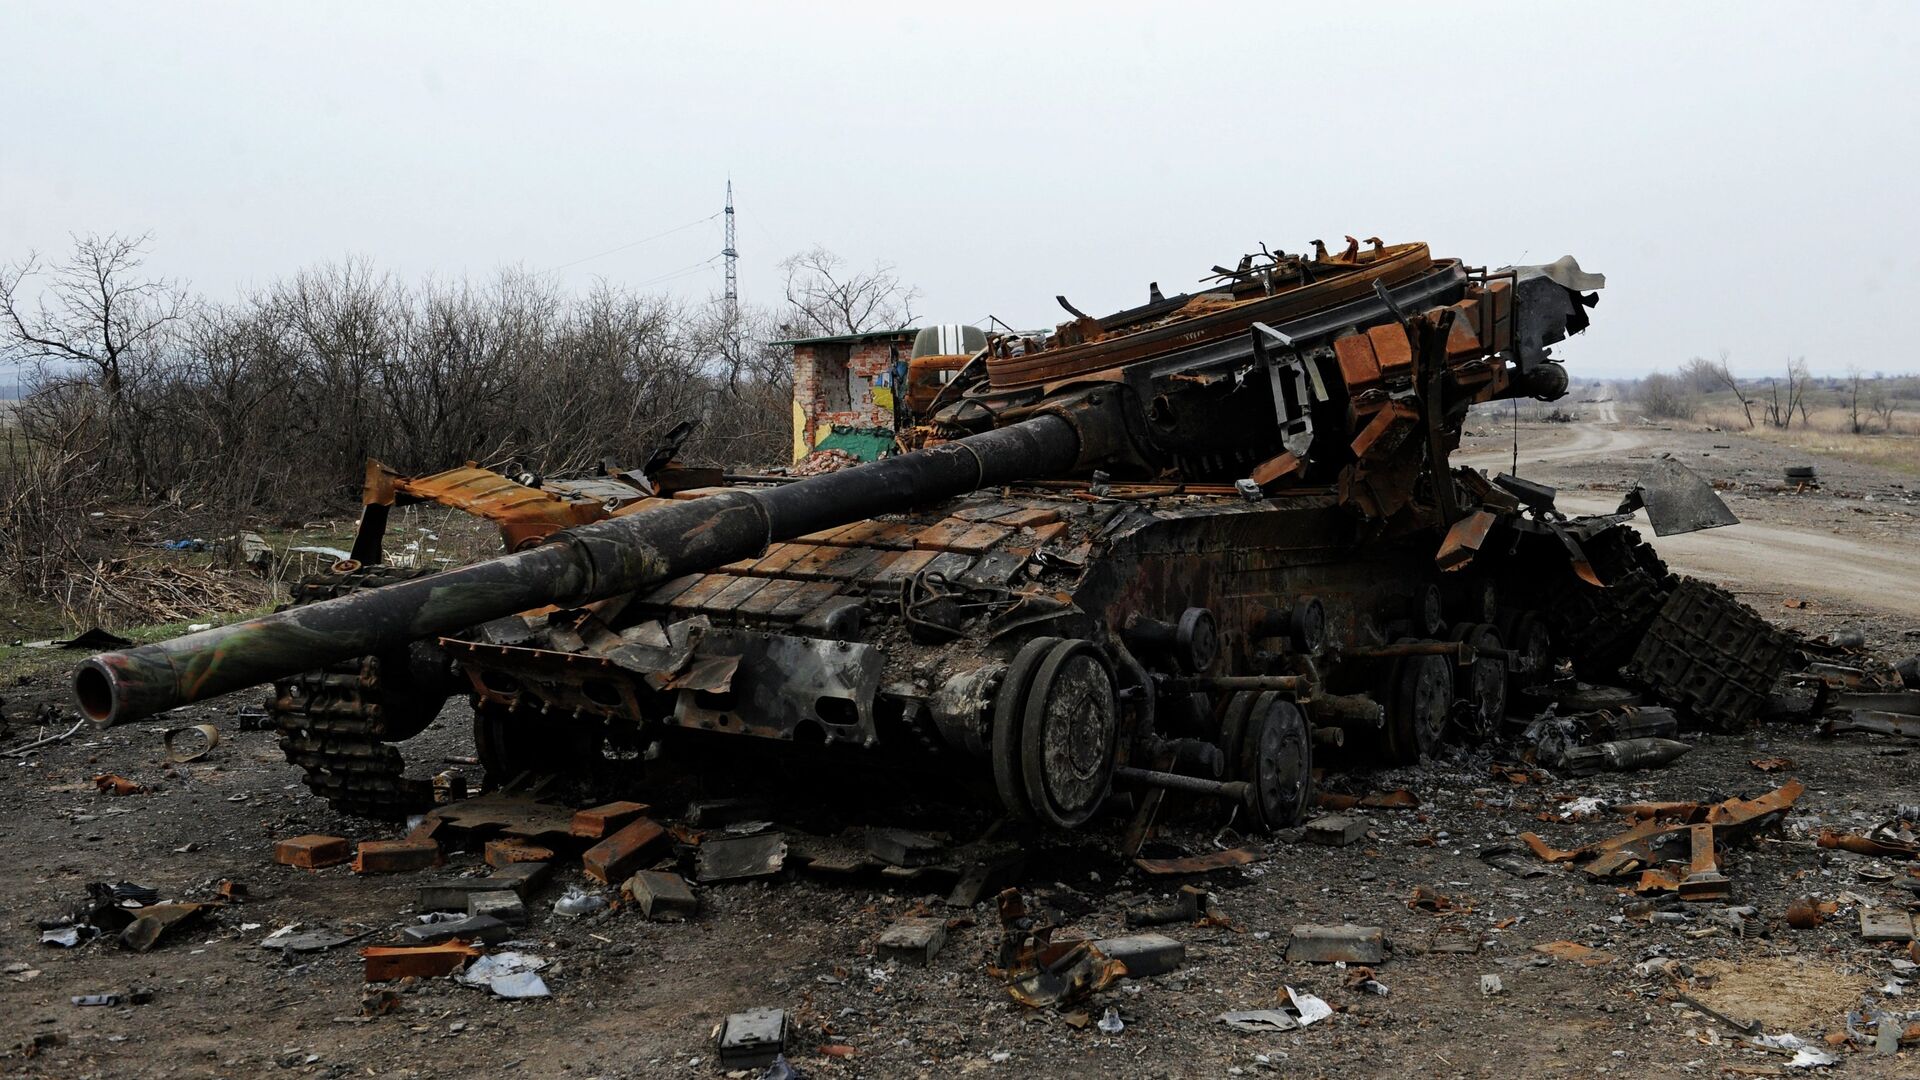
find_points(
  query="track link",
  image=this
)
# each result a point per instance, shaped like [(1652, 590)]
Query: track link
[(1600, 628), (332, 722), (1710, 655)]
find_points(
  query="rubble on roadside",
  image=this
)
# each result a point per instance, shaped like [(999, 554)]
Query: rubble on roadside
[(495, 875)]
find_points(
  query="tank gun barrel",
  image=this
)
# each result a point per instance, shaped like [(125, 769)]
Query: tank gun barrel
[(618, 555)]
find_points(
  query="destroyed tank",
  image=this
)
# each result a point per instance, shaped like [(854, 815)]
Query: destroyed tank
[(1182, 548)]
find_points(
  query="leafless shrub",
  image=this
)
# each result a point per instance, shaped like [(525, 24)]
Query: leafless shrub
[(1799, 381), (49, 480), (1881, 404), (1666, 397), (270, 404)]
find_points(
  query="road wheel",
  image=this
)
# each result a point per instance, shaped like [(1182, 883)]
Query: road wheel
[(1009, 706), (1486, 689), (1533, 645), (1419, 695), (1067, 734), (511, 741), (1273, 751)]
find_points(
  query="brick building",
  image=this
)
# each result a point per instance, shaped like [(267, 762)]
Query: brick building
[(843, 390)]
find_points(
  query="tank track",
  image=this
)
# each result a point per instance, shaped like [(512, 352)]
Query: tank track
[(331, 721), (1600, 628), (1711, 655)]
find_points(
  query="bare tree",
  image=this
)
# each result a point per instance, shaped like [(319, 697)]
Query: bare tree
[(1880, 403), (1709, 375), (96, 313), (825, 298), (1799, 381), (1699, 376), (272, 403), (1856, 422)]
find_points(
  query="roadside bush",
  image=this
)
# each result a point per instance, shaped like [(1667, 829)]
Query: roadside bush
[(1666, 397)]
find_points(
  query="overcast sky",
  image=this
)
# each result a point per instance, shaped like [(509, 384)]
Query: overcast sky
[(1744, 174)]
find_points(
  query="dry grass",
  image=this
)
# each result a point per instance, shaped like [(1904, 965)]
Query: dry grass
[(1827, 435)]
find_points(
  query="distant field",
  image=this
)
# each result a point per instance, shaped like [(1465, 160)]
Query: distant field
[(1827, 433), (1826, 428)]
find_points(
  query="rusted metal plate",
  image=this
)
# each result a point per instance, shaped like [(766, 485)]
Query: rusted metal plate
[(778, 558), (1738, 814), (813, 562), (487, 494), (640, 504), (1386, 431), (1201, 864), (765, 601), (941, 535), (667, 593), (1358, 367), (851, 563), (979, 539), (871, 533), (1031, 517), (702, 592), (1867, 845), (737, 592), (809, 595), (1704, 880), (1044, 534), (1463, 540), (908, 564), (1284, 466), (1392, 349)]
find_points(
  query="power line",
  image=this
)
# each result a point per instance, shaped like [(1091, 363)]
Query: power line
[(635, 244), (682, 272)]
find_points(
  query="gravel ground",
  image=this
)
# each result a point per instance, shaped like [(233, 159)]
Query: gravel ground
[(635, 998)]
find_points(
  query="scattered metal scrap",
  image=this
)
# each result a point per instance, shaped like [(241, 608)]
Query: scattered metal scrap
[(1681, 858), (1867, 696), (1618, 740), (1042, 966), (181, 754), (1894, 839), (132, 915), (1201, 864)]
